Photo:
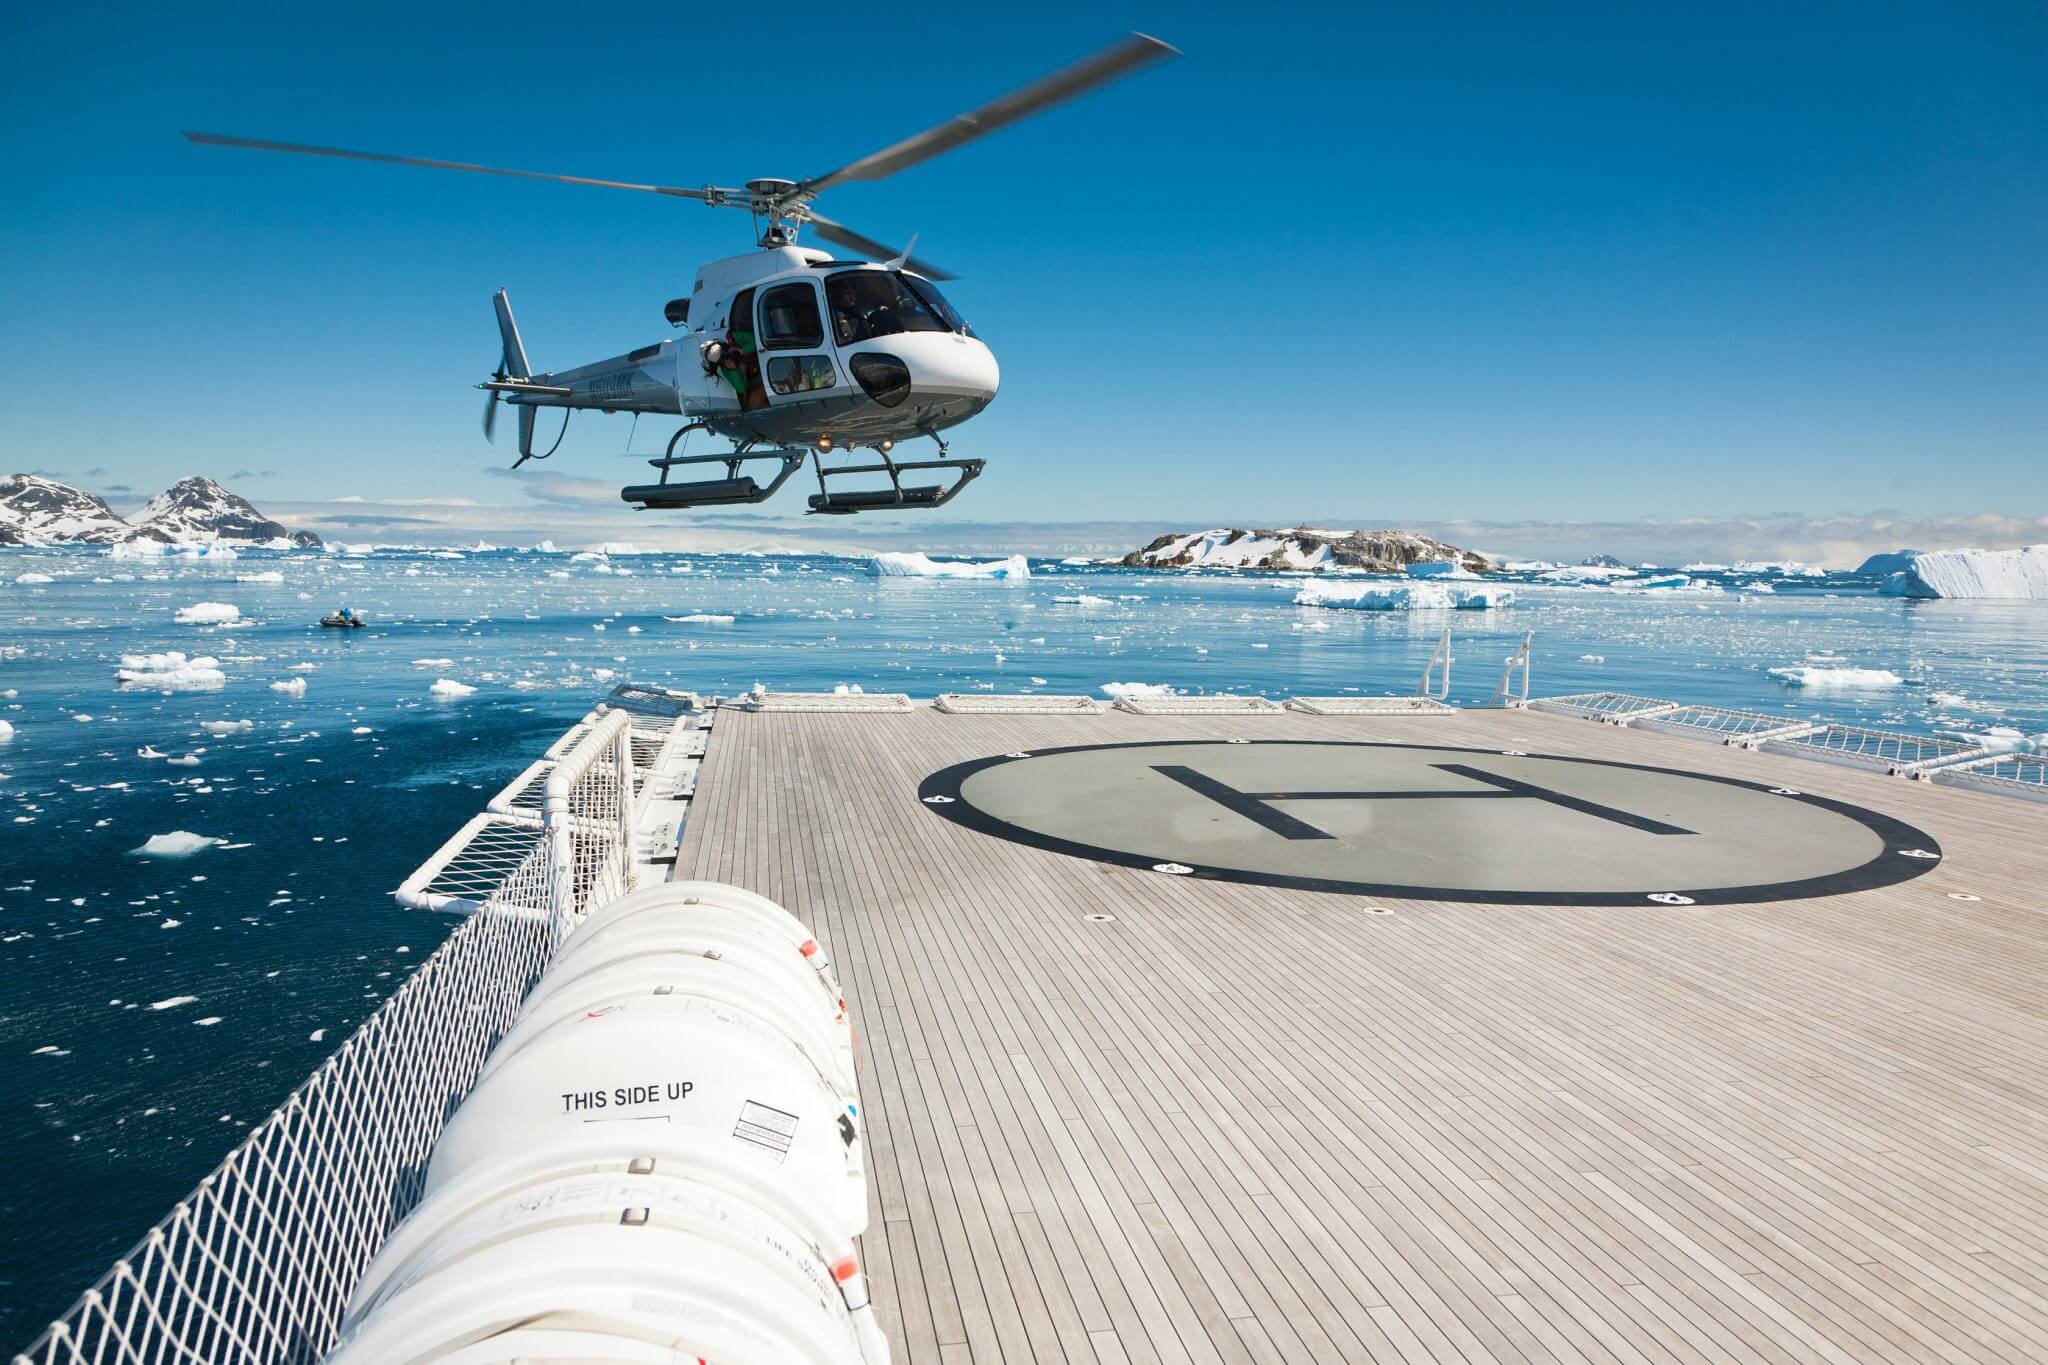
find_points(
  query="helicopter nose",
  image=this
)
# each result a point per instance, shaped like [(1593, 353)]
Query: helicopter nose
[(945, 366)]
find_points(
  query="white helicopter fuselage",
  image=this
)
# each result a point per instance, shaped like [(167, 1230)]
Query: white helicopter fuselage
[(818, 353)]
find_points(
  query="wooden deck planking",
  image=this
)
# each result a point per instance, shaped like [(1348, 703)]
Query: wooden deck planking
[(1244, 1123)]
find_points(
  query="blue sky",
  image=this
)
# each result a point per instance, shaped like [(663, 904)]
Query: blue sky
[(1357, 263)]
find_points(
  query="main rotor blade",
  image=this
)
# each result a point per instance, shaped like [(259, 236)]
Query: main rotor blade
[(1116, 60), (868, 246), (259, 145)]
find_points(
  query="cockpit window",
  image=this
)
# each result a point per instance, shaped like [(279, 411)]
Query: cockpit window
[(929, 292), (879, 303)]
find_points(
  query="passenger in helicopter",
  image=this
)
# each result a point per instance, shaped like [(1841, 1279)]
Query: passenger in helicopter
[(741, 364)]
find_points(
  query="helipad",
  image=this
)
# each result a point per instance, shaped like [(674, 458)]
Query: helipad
[(1361, 1038), (1430, 822)]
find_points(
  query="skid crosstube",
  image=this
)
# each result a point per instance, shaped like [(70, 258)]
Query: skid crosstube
[(733, 489), (896, 495)]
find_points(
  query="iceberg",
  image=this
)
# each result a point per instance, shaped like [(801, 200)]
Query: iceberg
[(1402, 597), (1882, 565), (1439, 568), (31, 579), (1823, 676), (2007, 574), (6, 731), (918, 565)]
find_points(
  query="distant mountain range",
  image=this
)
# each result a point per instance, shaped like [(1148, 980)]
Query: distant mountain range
[(1297, 548), (192, 511)]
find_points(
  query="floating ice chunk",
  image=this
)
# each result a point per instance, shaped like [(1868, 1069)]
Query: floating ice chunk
[(31, 579), (842, 690), (319, 1033), (188, 761), (449, 688), (300, 667), (1592, 658), (918, 565), (294, 687), (2021, 574), (6, 731), (1077, 559), (1038, 682), (169, 923), (1838, 677), (227, 727), (1440, 568), (179, 843), (170, 672), (208, 1022), (268, 576), (1137, 689), (702, 618), (1402, 596), (207, 614), (173, 1002), (1082, 599), (433, 663), (360, 730)]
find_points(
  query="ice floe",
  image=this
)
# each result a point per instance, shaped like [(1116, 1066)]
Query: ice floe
[(291, 687), (919, 565), (32, 578), (449, 688), (1440, 568), (1402, 596), (6, 731), (702, 618), (227, 727), (172, 1002), (170, 672), (268, 576), (1121, 690), (207, 614), (1840, 677), (179, 843)]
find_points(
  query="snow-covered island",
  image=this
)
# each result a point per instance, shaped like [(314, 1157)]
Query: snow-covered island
[(1298, 549), (2005, 574), (193, 511)]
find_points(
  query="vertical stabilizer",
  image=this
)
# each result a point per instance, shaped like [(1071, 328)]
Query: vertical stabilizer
[(515, 365)]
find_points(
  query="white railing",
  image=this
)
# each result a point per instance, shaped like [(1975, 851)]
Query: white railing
[(257, 1263)]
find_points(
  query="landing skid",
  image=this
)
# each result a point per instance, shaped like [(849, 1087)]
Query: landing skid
[(826, 502), (732, 490)]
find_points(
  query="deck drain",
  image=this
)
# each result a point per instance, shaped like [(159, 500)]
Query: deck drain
[(1099, 918), (1670, 898), (1377, 910), (1918, 853), (1963, 896), (1172, 869), (938, 800)]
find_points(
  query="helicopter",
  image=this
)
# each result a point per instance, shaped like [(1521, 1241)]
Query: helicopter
[(787, 351)]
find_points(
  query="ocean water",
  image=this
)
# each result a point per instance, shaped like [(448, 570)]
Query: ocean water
[(153, 1007)]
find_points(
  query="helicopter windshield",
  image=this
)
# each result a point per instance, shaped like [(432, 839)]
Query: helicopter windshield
[(879, 303)]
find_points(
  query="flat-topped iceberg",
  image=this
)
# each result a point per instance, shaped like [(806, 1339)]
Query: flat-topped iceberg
[(170, 672), (1897, 561), (2007, 574), (919, 565), (1836, 676), (1402, 596)]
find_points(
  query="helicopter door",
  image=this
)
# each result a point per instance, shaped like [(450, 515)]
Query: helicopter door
[(795, 361)]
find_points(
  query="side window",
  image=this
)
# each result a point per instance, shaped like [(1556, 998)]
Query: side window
[(789, 374), (789, 318)]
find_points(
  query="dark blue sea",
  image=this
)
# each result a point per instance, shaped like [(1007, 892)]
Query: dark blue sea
[(153, 1007)]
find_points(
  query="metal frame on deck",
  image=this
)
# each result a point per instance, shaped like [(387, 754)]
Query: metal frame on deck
[(1218, 705), (2024, 775), (1371, 706), (1886, 751), (1017, 704)]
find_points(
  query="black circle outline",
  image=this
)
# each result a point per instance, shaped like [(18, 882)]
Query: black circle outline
[(1888, 868)]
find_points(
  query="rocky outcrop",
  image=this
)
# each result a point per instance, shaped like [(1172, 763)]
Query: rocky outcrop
[(198, 511), (1298, 549), (35, 510), (195, 511)]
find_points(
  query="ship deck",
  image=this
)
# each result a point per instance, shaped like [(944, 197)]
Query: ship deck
[(1399, 1059)]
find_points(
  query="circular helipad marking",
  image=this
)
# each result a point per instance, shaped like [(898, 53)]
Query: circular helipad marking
[(1431, 822)]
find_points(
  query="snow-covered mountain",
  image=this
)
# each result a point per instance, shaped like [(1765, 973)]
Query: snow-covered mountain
[(198, 511), (194, 511), (35, 510), (1298, 548)]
